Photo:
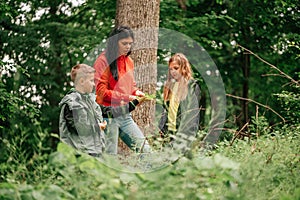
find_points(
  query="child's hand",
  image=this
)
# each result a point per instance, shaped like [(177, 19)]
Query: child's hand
[(103, 125)]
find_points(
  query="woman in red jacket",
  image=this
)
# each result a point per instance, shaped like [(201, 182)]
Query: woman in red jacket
[(115, 86)]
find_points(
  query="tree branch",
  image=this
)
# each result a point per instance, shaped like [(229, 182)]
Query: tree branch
[(272, 66), (250, 100), (238, 133)]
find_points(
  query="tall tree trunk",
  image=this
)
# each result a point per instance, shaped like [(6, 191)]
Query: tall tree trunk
[(143, 17), (245, 61)]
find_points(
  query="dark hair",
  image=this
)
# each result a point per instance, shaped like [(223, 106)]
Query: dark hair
[(112, 49)]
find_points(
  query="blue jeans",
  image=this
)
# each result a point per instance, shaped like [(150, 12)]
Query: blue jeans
[(129, 132)]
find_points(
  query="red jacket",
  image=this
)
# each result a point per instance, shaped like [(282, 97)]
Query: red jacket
[(109, 91)]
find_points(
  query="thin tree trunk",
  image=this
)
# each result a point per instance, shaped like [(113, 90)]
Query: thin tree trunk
[(246, 73)]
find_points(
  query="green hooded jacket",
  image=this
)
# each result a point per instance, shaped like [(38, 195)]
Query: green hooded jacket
[(79, 123)]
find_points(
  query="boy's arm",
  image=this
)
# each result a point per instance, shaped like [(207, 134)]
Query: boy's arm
[(68, 115)]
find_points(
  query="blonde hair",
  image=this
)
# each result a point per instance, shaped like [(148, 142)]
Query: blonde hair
[(186, 72), (81, 71)]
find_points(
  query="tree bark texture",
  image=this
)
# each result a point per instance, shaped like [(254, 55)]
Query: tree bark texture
[(143, 17)]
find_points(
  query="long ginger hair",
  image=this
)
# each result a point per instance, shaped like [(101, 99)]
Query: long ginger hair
[(186, 75)]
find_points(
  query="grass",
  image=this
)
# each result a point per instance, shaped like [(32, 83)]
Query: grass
[(266, 167)]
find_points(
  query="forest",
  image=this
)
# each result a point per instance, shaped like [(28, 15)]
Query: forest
[(245, 54)]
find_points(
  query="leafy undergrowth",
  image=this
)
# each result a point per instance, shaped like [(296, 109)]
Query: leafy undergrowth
[(269, 165), (264, 168)]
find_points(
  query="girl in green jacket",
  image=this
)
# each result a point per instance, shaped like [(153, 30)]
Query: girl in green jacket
[(181, 94)]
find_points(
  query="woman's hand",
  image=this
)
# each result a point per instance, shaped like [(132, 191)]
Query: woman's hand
[(132, 97), (139, 93)]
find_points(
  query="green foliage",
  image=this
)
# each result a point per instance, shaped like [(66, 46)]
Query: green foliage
[(40, 52), (43, 192), (269, 29), (268, 165), (259, 126), (19, 130), (48, 45), (79, 176), (23, 154), (290, 103)]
